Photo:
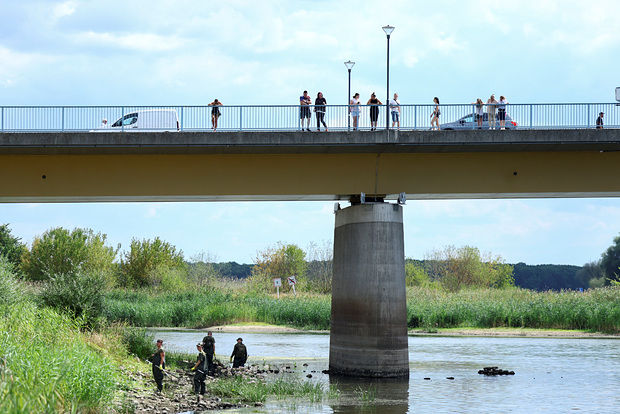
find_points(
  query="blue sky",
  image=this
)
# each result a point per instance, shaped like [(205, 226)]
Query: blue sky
[(249, 52)]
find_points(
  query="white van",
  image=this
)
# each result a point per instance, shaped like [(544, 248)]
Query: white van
[(145, 120)]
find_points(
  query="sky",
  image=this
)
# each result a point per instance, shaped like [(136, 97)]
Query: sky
[(267, 52)]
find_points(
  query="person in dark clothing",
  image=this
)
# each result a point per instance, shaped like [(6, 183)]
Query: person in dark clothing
[(599, 121), (201, 372), (208, 347), (158, 360), (240, 354), (319, 108)]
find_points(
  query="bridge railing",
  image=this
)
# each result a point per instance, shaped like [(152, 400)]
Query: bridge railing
[(287, 117)]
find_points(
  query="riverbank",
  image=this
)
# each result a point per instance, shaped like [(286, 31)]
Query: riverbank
[(490, 332)]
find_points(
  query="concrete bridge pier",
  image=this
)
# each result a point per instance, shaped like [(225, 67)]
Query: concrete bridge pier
[(369, 312)]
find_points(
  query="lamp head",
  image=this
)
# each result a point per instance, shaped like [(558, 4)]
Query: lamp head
[(388, 29), (349, 64)]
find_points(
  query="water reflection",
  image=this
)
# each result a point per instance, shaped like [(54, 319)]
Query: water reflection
[(371, 395)]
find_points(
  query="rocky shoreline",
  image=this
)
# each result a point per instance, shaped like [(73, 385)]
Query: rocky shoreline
[(177, 397)]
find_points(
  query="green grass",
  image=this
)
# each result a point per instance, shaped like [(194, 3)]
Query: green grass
[(251, 389), (429, 309), (207, 308), (47, 365)]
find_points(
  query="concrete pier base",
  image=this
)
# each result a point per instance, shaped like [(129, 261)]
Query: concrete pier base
[(369, 312)]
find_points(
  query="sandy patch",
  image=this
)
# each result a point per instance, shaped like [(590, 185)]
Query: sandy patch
[(515, 332)]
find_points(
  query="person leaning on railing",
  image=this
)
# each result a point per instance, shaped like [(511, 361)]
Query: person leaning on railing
[(599, 121), (491, 108)]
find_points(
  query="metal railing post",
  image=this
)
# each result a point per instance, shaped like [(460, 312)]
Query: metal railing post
[(588, 118), (62, 122), (240, 118), (531, 116), (182, 118), (122, 118)]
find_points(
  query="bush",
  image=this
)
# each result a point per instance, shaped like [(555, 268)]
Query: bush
[(79, 292), (10, 246), (60, 251), (139, 342), (9, 287), (146, 261)]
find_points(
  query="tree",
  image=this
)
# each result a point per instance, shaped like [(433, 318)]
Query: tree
[(280, 261), (60, 251), (591, 274), (9, 286), (457, 268), (320, 269), (10, 246), (610, 261), (415, 273), (148, 262)]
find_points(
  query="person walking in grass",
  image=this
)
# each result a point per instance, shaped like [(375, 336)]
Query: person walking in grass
[(240, 354)]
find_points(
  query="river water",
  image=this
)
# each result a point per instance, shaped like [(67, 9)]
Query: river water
[(553, 375)]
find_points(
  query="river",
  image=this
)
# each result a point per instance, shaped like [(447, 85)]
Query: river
[(554, 375)]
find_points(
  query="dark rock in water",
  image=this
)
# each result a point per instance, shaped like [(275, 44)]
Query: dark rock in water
[(493, 371), (450, 378), (305, 365), (427, 379), (309, 376), (325, 371)]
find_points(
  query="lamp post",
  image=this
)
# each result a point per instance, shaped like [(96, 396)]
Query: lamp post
[(388, 31), (349, 66)]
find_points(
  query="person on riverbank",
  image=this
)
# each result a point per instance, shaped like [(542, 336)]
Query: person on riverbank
[(239, 353), (319, 108), (158, 361), (215, 113), (201, 371), (208, 347)]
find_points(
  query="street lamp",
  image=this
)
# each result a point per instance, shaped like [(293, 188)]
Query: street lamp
[(388, 31), (349, 66)]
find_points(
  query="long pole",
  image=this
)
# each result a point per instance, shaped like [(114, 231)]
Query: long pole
[(348, 103), (387, 101)]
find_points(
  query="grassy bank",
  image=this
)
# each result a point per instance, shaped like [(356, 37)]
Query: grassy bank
[(48, 366), (197, 309), (594, 310)]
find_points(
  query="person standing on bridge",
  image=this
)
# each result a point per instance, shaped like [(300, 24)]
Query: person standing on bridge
[(435, 114), (215, 113), (354, 108), (479, 112), (374, 110), (491, 108), (501, 111), (599, 121), (304, 111), (319, 108), (395, 111)]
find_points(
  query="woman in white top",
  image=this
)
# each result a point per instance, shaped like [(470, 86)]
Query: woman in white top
[(501, 111), (479, 112), (435, 114), (355, 109)]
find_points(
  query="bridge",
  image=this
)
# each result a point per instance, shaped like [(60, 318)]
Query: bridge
[(369, 326)]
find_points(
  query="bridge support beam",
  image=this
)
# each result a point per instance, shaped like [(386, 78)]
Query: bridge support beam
[(369, 312)]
